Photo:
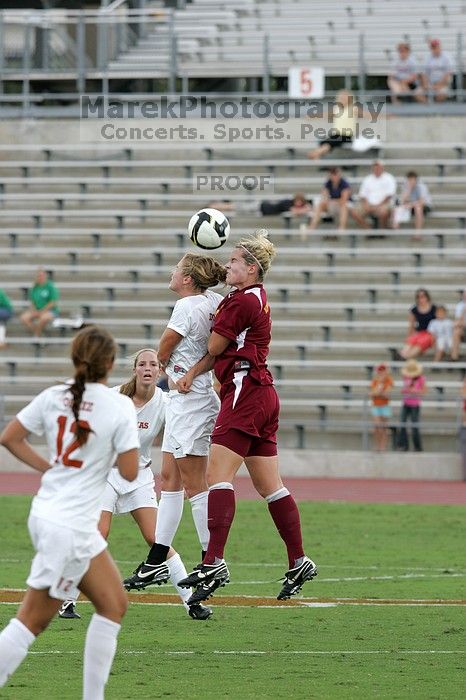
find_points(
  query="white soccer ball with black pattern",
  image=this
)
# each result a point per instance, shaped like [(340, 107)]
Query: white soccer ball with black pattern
[(209, 229)]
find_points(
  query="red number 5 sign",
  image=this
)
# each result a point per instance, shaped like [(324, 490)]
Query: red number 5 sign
[(304, 81)]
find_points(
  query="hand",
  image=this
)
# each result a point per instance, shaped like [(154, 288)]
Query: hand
[(184, 384)]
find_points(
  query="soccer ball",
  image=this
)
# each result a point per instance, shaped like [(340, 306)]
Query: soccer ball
[(209, 229)]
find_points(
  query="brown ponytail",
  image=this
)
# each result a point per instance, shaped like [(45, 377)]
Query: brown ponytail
[(92, 352)]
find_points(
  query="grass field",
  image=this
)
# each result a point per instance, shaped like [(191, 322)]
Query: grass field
[(385, 618)]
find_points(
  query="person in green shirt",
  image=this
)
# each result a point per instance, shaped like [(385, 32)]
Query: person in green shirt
[(43, 297), (6, 312)]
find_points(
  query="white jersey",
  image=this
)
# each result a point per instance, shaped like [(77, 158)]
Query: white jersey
[(71, 490), (151, 419), (192, 318)]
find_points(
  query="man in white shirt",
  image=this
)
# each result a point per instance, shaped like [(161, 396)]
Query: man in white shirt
[(376, 196), (459, 328)]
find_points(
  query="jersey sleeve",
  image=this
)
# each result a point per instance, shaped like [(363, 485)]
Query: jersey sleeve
[(236, 315), (180, 320), (126, 435), (32, 416)]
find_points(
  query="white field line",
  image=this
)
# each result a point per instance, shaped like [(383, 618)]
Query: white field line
[(257, 652)]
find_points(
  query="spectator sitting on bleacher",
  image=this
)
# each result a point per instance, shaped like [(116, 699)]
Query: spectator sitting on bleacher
[(43, 297), (403, 78), (334, 198), (376, 197), (437, 74), (6, 312), (343, 125), (442, 330), (296, 206), (415, 199), (459, 328), (420, 315)]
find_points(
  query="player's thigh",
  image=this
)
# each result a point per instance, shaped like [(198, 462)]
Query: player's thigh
[(223, 464), (264, 474), (170, 476), (105, 523), (102, 585)]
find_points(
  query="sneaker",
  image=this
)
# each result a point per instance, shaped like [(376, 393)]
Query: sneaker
[(294, 578), (147, 575), (199, 612), (205, 579), (68, 611)]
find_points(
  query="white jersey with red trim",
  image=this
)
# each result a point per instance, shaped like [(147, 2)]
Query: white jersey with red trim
[(151, 419), (192, 318), (71, 490)]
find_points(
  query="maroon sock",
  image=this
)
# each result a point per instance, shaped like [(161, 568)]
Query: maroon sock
[(220, 514), (285, 515)]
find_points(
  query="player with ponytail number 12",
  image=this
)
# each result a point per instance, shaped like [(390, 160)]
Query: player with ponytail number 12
[(87, 427), (247, 423)]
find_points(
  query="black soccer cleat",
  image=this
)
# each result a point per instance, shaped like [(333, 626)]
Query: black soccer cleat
[(200, 612), (205, 579), (294, 578), (147, 575), (68, 611)]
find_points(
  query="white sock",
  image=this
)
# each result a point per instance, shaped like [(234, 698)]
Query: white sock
[(199, 511), (2, 333), (177, 572), (15, 641), (276, 495), (168, 516), (99, 650)]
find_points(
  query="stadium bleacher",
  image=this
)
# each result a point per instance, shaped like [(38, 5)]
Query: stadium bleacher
[(108, 220)]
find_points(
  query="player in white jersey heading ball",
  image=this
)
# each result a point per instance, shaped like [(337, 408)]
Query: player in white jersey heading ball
[(190, 416), (87, 427), (138, 497)]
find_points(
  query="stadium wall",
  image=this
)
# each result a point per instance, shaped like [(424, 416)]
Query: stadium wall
[(405, 129), (332, 464)]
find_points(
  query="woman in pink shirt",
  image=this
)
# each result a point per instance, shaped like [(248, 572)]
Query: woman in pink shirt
[(414, 387)]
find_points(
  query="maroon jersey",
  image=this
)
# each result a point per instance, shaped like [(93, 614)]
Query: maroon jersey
[(244, 318)]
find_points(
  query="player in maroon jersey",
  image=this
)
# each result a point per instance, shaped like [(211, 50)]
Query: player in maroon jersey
[(247, 424)]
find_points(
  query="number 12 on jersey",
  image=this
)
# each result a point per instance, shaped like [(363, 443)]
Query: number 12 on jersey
[(65, 457)]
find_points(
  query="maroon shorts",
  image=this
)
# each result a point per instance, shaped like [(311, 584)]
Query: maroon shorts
[(248, 419)]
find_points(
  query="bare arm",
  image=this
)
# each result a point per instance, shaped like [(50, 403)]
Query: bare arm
[(205, 364), (167, 344), (128, 464), (411, 323), (217, 344), (14, 438)]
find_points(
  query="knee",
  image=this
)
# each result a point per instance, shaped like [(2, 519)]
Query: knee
[(114, 608)]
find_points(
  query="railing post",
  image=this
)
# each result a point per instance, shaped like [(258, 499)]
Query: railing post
[(459, 67), (365, 425), (2, 55), (81, 48), (173, 69), (266, 66), (26, 68), (362, 64)]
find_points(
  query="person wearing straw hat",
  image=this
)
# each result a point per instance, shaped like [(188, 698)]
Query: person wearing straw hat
[(414, 388)]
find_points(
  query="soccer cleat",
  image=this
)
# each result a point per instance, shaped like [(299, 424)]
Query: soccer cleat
[(68, 611), (147, 575), (294, 578), (205, 579), (199, 612)]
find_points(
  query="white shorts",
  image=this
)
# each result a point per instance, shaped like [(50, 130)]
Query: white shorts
[(141, 496), (189, 422), (63, 557), (443, 344)]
